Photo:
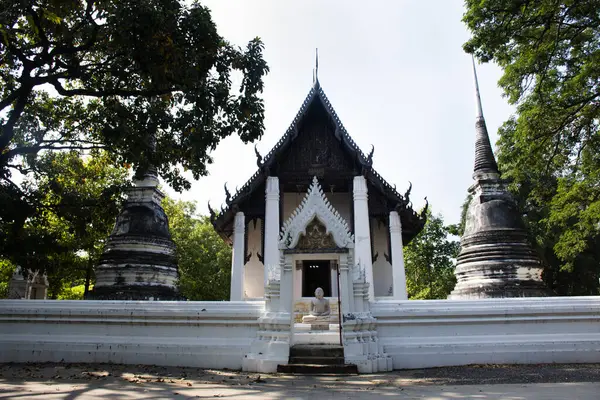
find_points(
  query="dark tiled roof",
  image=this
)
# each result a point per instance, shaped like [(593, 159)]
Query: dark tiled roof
[(316, 92)]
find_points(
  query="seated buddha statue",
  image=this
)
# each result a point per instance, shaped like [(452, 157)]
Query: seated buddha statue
[(319, 309)]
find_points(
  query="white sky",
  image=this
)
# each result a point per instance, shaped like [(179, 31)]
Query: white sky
[(395, 73)]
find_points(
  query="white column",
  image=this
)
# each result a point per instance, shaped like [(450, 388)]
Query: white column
[(297, 283), (237, 258), (286, 288), (399, 275), (345, 285), (333, 272), (362, 232), (271, 256)]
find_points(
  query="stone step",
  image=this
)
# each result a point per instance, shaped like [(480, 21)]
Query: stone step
[(316, 351), (317, 369), (317, 360)]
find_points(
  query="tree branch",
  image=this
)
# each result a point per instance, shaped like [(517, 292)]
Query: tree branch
[(18, 151), (8, 127), (43, 38), (20, 168), (9, 99), (64, 50), (108, 92)]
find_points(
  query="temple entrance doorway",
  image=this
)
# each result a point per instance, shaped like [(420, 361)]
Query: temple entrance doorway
[(316, 273), (312, 271)]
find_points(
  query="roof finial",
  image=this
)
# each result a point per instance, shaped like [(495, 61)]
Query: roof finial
[(316, 71), (485, 162)]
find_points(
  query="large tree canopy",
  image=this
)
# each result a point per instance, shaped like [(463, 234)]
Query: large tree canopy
[(550, 150), (127, 73), (79, 199), (149, 81)]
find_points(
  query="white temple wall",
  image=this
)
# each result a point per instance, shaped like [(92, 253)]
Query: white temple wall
[(435, 333), (382, 270), (342, 202), (254, 269), (415, 333), (194, 334)]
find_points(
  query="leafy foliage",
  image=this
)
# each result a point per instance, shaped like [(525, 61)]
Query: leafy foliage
[(204, 258), (430, 260), (148, 80), (550, 150), (7, 270), (79, 199), (71, 293)]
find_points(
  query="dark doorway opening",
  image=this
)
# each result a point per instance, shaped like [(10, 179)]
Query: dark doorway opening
[(316, 273)]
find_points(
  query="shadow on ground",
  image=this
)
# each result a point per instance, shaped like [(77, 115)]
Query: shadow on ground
[(109, 381)]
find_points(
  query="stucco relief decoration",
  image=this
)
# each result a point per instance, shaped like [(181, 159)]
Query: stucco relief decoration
[(315, 206), (316, 237), (358, 273), (273, 273)]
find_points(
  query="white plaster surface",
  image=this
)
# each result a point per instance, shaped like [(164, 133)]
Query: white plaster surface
[(342, 202), (254, 286), (362, 232), (382, 270), (272, 225), (197, 334), (315, 205), (412, 334), (433, 333), (237, 258), (399, 273), (303, 334)]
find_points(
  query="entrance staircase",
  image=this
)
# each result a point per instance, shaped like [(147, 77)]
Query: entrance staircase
[(317, 359)]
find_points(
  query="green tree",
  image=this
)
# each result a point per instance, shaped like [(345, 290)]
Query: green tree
[(550, 150), (7, 270), (79, 199), (430, 260), (148, 80), (204, 258)]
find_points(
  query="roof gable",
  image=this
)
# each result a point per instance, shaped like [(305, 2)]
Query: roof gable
[(316, 99), (316, 94)]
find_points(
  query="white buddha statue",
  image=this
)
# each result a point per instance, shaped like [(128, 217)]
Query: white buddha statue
[(319, 309)]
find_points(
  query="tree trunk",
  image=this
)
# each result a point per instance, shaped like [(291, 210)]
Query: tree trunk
[(88, 275)]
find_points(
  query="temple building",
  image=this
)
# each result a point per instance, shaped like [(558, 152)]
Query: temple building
[(318, 282), (496, 258), (315, 215), (317, 200)]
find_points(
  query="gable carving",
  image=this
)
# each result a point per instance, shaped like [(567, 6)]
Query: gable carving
[(315, 220), (316, 149), (316, 237)]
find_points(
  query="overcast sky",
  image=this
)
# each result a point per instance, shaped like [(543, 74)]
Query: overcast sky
[(395, 73)]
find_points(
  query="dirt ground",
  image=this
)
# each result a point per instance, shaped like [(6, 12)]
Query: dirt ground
[(95, 381)]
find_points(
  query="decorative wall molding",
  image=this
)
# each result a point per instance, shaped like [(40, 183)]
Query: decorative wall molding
[(435, 333), (195, 334), (413, 333), (315, 205)]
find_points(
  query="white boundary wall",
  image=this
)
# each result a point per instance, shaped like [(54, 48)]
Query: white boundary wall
[(416, 334), (433, 333), (195, 334)]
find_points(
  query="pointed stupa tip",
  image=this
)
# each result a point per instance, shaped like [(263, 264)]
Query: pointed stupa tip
[(485, 162), (477, 94), (316, 70)]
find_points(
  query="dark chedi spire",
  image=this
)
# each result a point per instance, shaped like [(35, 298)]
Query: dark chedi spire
[(496, 259), (485, 163), (316, 70), (139, 262)]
